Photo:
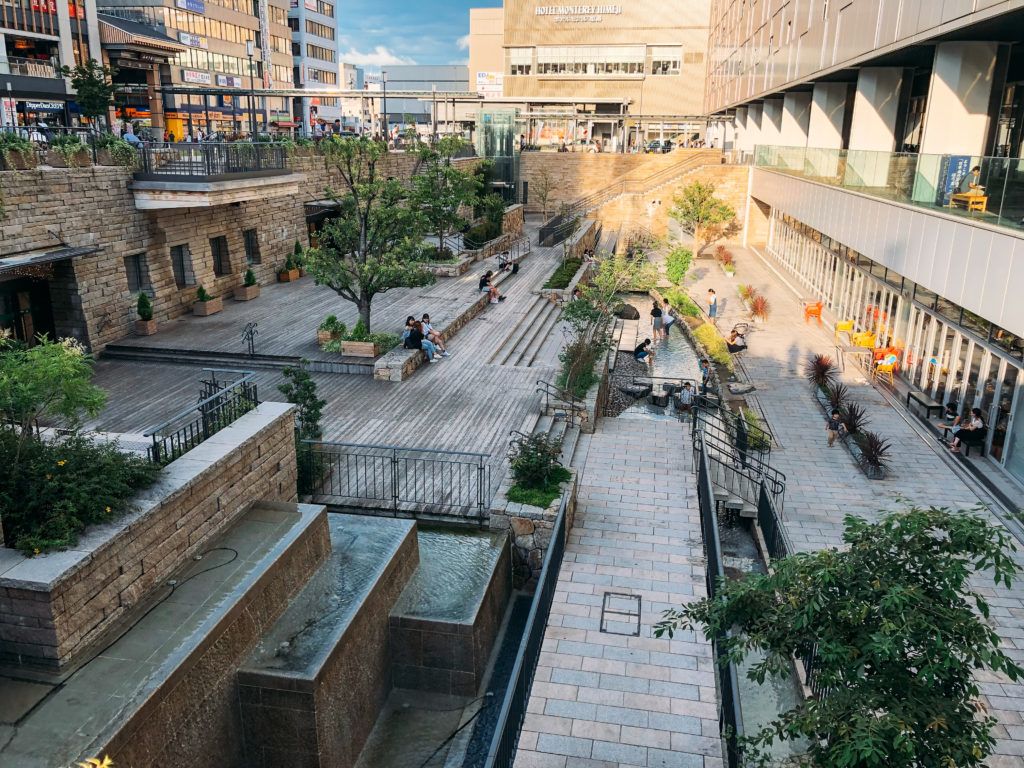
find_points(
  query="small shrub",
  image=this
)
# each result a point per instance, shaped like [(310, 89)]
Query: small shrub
[(144, 307), (855, 417), (564, 274), (202, 295), (298, 256), (532, 459), (759, 307), (11, 145), (300, 389), (68, 146), (758, 438), (721, 252), (712, 341), (747, 292), (359, 332), (482, 233), (820, 371), (289, 265), (682, 302), (875, 451), (332, 325), (121, 152), (838, 395), (249, 280), (677, 264)]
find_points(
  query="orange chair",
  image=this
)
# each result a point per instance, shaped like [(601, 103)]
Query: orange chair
[(813, 309)]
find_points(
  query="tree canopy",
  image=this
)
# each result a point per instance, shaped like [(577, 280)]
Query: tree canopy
[(441, 190), (93, 86), (699, 212), (899, 634), (376, 241)]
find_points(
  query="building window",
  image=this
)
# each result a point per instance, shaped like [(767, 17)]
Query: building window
[(252, 246), (320, 30), (319, 52), (591, 60), (320, 76), (520, 61), (138, 274), (665, 60), (219, 249), (181, 263), (324, 9)]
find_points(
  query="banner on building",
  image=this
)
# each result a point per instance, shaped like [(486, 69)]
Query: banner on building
[(195, 6), (196, 41), (229, 81), (490, 84), (195, 77), (954, 168)]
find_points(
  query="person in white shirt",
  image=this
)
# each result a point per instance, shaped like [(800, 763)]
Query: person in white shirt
[(432, 335)]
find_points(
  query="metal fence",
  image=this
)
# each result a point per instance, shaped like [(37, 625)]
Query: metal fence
[(222, 400), (809, 659), (502, 751), (397, 478), (211, 161), (774, 532), (730, 718)]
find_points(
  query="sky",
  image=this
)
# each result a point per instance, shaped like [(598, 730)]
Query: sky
[(376, 33)]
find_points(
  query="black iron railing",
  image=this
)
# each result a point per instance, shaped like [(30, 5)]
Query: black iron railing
[(193, 161), (718, 420), (559, 400), (768, 520), (397, 478), (502, 751), (809, 658), (730, 718), (225, 396)]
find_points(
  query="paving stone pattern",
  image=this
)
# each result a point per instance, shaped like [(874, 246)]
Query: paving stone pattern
[(603, 700), (823, 485)]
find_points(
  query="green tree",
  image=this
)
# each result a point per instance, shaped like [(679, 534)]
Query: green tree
[(677, 264), (300, 389), (440, 190), (374, 244), (94, 89), (899, 632), (703, 215), (541, 188), (614, 274)]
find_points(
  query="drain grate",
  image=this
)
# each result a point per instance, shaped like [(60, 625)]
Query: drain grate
[(620, 614)]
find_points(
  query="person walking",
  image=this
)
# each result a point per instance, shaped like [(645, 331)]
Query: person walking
[(834, 427), (712, 304)]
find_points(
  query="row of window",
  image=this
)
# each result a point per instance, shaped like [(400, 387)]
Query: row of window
[(182, 266), (319, 52), (321, 76), (600, 60), (196, 58), (175, 20), (320, 30)]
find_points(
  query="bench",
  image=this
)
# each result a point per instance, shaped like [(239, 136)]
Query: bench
[(926, 402), (973, 438)]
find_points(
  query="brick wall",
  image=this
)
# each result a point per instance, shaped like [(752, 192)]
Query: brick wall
[(95, 206), (47, 617)]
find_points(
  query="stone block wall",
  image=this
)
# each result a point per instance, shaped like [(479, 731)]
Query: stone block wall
[(95, 206), (512, 220), (53, 607)]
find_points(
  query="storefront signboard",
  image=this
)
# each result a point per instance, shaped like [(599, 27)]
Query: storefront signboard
[(489, 84), (229, 81), (44, 106), (196, 77), (196, 41), (578, 14), (195, 6)]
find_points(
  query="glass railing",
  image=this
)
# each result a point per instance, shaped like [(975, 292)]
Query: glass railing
[(13, 65), (993, 195)]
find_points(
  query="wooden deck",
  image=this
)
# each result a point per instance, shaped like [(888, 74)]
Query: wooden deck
[(463, 403)]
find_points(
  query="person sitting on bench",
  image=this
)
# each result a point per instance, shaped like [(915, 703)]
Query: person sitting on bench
[(488, 287), (413, 338), (432, 335), (736, 343), (963, 435)]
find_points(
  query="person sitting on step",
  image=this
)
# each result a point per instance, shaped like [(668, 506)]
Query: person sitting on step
[(504, 261), (736, 342), (412, 338), (433, 335), (487, 286)]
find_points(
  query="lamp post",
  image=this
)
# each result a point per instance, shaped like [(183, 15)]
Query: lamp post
[(250, 50), (384, 81), (433, 112)]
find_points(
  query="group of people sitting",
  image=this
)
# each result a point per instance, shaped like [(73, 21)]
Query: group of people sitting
[(420, 334), (967, 427)]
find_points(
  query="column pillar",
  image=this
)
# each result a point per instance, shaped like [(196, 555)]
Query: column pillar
[(156, 101), (796, 116), (825, 128), (873, 129), (739, 123), (754, 114), (957, 116), (771, 122)]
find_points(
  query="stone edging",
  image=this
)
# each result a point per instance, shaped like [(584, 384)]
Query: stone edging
[(871, 473)]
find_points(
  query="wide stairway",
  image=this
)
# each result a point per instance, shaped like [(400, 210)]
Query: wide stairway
[(523, 345)]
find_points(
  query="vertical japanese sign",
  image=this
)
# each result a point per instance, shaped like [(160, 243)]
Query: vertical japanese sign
[(268, 66)]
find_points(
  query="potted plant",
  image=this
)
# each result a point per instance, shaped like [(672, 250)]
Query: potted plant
[(759, 308), (331, 329), (820, 371), (112, 150), (728, 265), (16, 152), (288, 273), (299, 258), (875, 458), (145, 325), (206, 304), (68, 151), (249, 289), (359, 343)]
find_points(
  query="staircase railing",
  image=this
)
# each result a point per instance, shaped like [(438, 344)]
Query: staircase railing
[(756, 440), (564, 401), (749, 472)]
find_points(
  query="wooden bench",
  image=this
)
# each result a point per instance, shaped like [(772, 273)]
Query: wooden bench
[(922, 399)]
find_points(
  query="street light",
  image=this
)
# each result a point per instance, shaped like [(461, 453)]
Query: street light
[(384, 80), (433, 111), (250, 50)]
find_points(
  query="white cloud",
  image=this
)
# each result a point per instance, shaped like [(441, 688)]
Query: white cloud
[(378, 57), (463, 43)]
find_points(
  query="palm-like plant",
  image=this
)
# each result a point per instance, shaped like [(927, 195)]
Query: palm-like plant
[(875, 451), (820, 371), (838, 394), (855, 417)]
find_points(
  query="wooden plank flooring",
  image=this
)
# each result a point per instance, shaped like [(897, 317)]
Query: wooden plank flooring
[(463, 403)]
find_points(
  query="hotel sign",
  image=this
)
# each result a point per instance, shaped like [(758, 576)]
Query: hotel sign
[(578, 14)]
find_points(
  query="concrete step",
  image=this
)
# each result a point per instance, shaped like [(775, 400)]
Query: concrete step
[(541, 337), (544, 424), (538, 322), (569, 445), (354, 365), (509, 344)]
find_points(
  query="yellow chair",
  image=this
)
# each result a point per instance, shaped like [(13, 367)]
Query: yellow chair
[(864, 339), (844, 326), (885, 367)]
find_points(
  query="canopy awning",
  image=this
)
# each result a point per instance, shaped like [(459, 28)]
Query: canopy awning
[(30, 262)]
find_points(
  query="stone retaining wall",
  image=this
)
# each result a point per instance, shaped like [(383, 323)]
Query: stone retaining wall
[(52, 607), (513, 220)]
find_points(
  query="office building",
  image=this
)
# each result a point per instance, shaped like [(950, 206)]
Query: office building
[(623, 71), (232, 45), (315, 57), (34, 44), (864, 122)]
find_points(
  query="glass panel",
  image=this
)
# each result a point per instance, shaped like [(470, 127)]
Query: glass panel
[(1010, 424)]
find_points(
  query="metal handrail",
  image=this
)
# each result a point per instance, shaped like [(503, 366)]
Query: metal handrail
[(19, 65), (571, 404), (732, 419), (502, 751), (204, 160), (747, 465), (373, 446)]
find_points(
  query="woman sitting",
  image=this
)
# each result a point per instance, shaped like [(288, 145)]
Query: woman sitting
[(964, 434), (735, 343), (486, 285), (433, 335), (412, 338), (643, 352)]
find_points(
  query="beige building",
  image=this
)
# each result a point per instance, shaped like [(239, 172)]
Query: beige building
[(644, 59)]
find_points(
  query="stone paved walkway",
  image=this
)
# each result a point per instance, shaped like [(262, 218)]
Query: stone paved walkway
[(823, 485), (603, 700)]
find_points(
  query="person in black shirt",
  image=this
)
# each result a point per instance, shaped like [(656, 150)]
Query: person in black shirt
[(834, 427), (487, 285), (643, 352)]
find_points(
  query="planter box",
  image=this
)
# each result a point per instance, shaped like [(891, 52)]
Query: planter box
[(359, 349), (288, 276), (322, 337), (79, 159), (145, 327), (18, 162), (246, 292), (870, 471), (205, 308)]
